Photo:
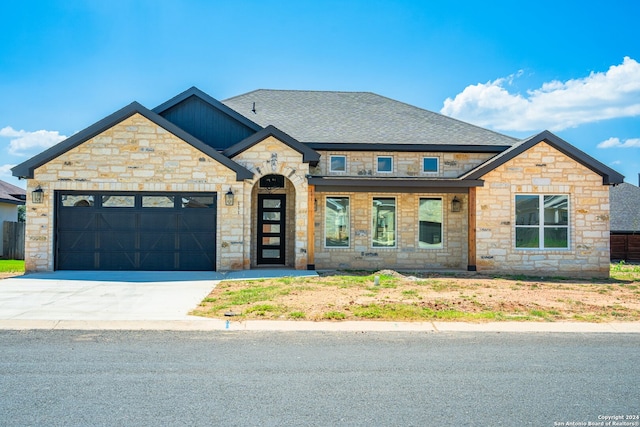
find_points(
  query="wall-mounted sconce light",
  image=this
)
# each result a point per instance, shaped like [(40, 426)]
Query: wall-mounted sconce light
[(228, 198), (456, 205), (315, 205), (37, 195)]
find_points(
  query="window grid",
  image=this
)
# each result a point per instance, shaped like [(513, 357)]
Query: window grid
[(542, 221)]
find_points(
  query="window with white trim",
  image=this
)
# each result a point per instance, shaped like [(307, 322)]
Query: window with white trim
[(383, 222), (385, 164), (336, 222), (542, 221), (338, 163), (430, 164), (430, 223)]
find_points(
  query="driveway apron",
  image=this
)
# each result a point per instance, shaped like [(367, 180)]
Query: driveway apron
[(104, 295)]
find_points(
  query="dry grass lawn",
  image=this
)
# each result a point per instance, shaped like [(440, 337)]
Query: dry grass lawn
[(400, 297)]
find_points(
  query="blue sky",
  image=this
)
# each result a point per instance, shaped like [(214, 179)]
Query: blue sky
[(572, 67)]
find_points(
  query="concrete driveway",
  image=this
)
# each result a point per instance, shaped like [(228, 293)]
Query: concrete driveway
[(104, 295)]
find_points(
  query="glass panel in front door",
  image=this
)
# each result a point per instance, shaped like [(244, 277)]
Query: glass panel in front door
[(271, 229)]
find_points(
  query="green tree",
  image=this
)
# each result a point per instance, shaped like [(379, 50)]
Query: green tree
[(22, 213)]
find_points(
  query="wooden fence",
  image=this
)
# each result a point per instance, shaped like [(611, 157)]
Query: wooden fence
[(625, 247), (13, 240)]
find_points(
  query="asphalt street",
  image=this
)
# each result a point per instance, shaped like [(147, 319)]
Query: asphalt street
[(233, 378)]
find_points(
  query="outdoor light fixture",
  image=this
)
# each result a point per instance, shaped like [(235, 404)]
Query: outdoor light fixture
[(456, 205), (228, 198), (37, 195)]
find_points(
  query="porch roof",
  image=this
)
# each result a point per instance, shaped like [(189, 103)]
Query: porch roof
[(398, 185)]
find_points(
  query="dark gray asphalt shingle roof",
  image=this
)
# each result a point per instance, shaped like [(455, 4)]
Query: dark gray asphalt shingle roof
[(357, 118), (9, 193), (624, 202)]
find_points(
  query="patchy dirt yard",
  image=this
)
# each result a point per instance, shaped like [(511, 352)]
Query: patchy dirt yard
[(348, 296)]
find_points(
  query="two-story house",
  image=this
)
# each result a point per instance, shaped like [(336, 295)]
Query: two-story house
[(319, 180)]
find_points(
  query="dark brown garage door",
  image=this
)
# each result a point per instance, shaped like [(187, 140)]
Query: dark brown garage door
[(135, 231)]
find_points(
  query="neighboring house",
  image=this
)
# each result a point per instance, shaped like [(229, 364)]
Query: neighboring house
[(625, 222), (318, 180), (10, 198)]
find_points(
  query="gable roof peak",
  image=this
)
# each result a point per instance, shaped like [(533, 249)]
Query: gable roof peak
[(26, 169), (212, 102), (609, 176), (309, 155)]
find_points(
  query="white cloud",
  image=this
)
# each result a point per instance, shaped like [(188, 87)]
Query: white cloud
[(7, 176), (615, 142), (555, 105), (24, 143)]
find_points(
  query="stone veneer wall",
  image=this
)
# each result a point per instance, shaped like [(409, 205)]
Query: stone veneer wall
[(271, 156), (543, 170), (407, 255), (405, 164), (134, 155)]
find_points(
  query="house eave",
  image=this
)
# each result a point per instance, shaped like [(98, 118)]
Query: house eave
[(400, 185), (26, 169), (308, 154), (609, 176), (444, 148), (13, 202), (194, 91)]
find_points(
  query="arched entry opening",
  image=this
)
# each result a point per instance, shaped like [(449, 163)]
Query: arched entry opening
[(273, 198)]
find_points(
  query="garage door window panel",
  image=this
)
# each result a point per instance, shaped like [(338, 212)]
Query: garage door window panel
[(118, 201), (158, 201), (77, 201), (198, 202)]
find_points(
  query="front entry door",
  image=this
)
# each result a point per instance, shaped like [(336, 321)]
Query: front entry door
[(271, 228)]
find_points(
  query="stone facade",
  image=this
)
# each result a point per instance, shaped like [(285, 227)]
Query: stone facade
[(132, 156), (386, 227), (406, 255), (267, 157), (543, 170), (405, 164)]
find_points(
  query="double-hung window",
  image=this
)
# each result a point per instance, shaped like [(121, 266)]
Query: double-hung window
[(542, 221), (336, 222)]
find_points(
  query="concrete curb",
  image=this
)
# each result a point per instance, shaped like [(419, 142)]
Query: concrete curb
[(202, 324)]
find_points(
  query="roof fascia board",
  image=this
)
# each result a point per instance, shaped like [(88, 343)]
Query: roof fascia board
[(609, 176), (409, 184), (448, 148), (396, 190), (25, 169), (308, 155), (194, 91), (13, 202)]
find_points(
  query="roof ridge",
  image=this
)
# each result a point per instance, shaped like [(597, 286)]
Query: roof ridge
[(297, 91)]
